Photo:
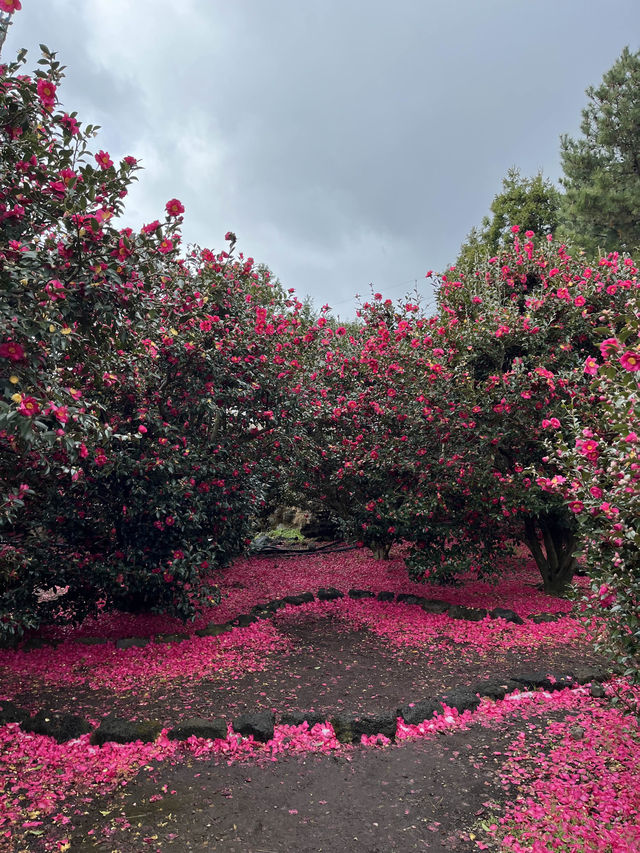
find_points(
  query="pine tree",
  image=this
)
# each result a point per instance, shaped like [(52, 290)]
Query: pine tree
[(601, 205), (532, 203)]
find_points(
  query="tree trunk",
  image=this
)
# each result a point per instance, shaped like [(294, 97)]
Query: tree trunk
[(380, 550), (555, 561)]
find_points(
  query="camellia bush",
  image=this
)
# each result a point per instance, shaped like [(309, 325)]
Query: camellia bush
[(136, 420), (432, 431), (601, 483)]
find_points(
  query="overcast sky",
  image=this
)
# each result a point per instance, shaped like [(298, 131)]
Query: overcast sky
[(346, 142)]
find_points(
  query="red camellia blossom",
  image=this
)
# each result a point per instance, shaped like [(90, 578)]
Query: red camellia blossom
[(29, 407), (165, 247), (70, 124), (46, 93), (630, 360), (103, 160), (174, 207), (11, 350), (10, 6)]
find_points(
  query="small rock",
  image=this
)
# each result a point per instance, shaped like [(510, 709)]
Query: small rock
[(495, 689), (132, 642), (116, 730), (296, 600), (507, 615), (383, 724), (361, 593), (576, 732), (243, 620), (61, 727), (470, 614), (343, 727), (407, 598), (539, 618), (586, 674), (597, 691), (213, 630), (385, 596), (418, 712), (534, 680), (92, 641), (329, 593), (259, 724), (172, 638), (434, 605), (297, 718), (199, 727), (461, 699)]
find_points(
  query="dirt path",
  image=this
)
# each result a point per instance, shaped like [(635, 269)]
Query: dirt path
[(416, 796)]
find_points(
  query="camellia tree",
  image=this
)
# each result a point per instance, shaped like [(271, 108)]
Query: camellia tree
[(432, 431), (139, 386), (601, 484), (525, 326)]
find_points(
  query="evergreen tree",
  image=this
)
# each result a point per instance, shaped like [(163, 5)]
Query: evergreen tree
[(602, 168), (531, 203)]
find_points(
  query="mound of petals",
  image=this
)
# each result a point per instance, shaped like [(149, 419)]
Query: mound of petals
[(252, 580), (40, 775), (582, 792), (516, 585), (231, 655), (410, 627)]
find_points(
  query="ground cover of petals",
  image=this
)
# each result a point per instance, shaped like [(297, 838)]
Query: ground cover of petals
[(537, 771)]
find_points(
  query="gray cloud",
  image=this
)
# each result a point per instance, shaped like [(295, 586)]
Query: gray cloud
[(347, 141)]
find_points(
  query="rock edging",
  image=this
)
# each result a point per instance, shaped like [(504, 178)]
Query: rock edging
[(260, 725), (266, 610)]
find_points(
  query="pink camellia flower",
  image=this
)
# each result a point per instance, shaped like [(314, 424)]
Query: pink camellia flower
[(103, 160), (609, 346), (10, 6), (591, 366), (576, 506), (46, 93), (142, 429), (100, 457), (529, 234), (166, 246), (11, 350), (174, 207), (70, 124), (515, 229), (587, 447), (151, 227), (596, 492), (230, 236), (29, 407), (630, 360), (130, 161), (631, 438)]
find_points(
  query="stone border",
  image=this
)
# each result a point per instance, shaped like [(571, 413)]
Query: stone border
[(264, 611), (260, 724)]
